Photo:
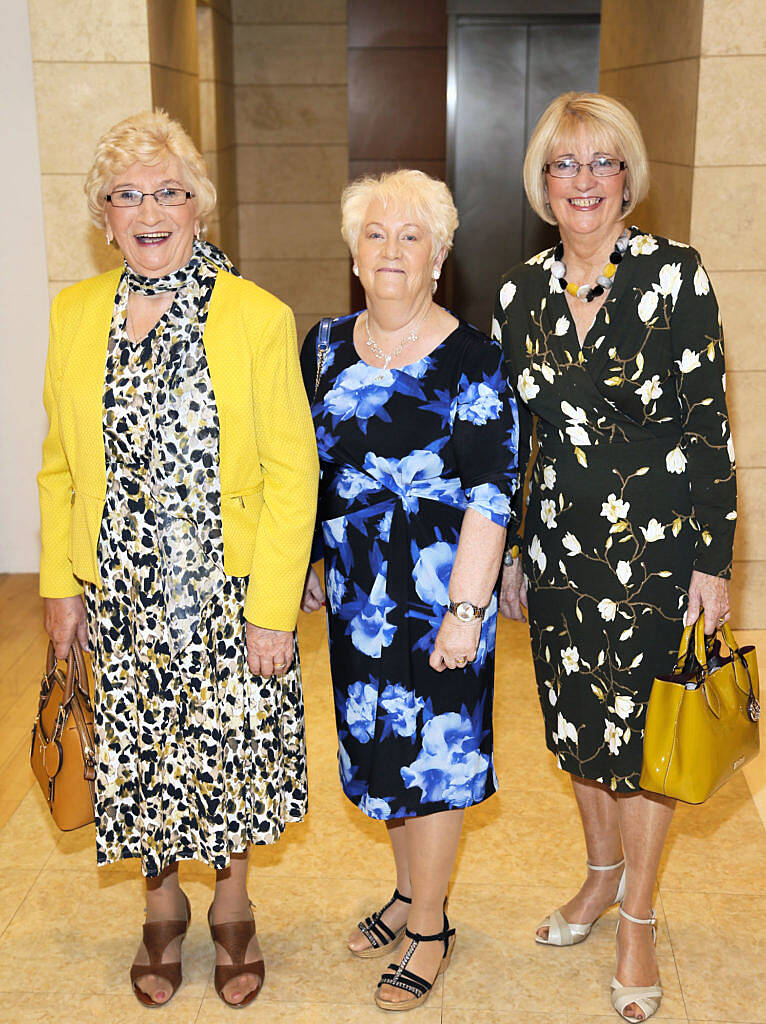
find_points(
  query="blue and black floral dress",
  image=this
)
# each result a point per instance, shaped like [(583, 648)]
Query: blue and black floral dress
[(403, 454)]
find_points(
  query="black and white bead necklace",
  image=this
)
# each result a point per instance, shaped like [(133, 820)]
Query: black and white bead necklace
[(604, 281)]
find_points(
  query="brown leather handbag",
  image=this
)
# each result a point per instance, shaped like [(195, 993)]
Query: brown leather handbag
[(62, 754)]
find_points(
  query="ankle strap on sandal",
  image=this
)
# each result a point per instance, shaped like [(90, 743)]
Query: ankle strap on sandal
[(640, 920), (398, 896), (443, 936), (604, 867)]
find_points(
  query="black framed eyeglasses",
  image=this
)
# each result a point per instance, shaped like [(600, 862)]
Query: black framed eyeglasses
[(601, 167), (163, 197)]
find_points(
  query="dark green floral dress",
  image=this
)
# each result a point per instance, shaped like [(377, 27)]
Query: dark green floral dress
[(633, 487)]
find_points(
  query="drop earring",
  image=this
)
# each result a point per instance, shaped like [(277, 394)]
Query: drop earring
[(108, 235), (355, 269)]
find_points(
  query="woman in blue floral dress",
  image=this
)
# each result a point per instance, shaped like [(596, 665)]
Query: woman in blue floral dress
[(415, 430)]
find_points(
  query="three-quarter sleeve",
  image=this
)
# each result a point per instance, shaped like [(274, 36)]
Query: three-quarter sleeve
[(484, 433), (524, 422), (706, 448)]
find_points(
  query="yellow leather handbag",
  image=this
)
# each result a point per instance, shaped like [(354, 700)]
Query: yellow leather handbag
[(702, 721)]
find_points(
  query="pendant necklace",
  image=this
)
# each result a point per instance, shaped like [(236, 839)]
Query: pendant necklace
[(387, 357)]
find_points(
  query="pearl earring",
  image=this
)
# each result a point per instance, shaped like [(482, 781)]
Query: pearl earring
[(437, 273), (108, 235), (355, 268)]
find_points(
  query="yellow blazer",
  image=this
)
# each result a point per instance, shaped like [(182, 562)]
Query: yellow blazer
[(268, 457)]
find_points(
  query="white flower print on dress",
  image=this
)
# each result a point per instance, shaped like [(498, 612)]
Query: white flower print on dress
[(539, 258), (623, 706), (562, 326), (614, 508), (570, 659), (701, 282), (675, 461), (654, 530), (624, 572), (613, 736), (537, 554), (506, 294), (650, 390), (730, 449), (566, 731), (496, 332), (572, 544), (549, 477), (607, 609), (548, 373), (548, 513), (689, 361), (670, 280), (643, 245), (526, 385), (647, 305)]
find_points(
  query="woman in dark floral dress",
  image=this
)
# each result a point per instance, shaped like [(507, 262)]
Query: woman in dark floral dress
[(614, 342), (417, 455)]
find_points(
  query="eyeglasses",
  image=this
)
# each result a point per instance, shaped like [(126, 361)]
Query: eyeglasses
[(601, 167), (163, 197)]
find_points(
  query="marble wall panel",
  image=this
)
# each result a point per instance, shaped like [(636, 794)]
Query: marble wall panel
[(286, 54), (90, 30), (734, 27), (748, 595), (731, 123), (75, 249), (668, 128), (667, 209), (292, 174), (745, 397), (729, 216), (77, 102), (634, 34), (288, 12), (750, 538), (173, 34), (177, 92), (291, 114), (740, 298), (304, 285), (290, 231)]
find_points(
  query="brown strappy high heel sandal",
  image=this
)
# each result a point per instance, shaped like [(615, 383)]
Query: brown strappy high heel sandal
[(156, 937), (234, 937)]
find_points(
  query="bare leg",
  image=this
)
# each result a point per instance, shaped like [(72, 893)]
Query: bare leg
[(600, 822), (644, 822), (164, 902), (231, 903), (431, 849), (396, 915)]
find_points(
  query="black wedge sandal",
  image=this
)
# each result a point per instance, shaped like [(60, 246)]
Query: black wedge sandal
[(399, 977), (377, 932)]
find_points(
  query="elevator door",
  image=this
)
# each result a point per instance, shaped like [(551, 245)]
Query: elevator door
[(504, 70)]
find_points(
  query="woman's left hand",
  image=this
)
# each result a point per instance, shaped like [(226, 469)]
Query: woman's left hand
[(456, 643), (269, 651), (709, 594)]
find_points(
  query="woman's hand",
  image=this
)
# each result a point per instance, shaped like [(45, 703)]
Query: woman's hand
[(313, 595), (513, 591), (64, 620), (456, 643), (709, 594), (269, 651)]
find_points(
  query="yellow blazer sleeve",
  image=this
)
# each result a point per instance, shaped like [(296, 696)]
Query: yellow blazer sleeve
[(290, 466), (54, 483)]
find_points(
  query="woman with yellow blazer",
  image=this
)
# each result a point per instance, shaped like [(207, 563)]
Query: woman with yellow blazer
[(177, 495)]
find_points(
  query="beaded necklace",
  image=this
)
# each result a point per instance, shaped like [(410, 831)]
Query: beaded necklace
[(604, 281)]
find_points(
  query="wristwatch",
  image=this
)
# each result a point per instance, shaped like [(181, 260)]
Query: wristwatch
[(465, 611)]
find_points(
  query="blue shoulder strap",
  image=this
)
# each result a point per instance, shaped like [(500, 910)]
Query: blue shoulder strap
[(323, 344)]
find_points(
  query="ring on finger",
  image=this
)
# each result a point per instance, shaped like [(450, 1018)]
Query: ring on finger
[(462, 660), (279, 664)]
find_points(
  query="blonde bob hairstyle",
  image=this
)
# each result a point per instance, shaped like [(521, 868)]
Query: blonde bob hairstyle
[(149, 138), (612, 129), (426, 199)]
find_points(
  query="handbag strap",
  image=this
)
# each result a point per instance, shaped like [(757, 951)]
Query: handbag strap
[(323, 345)]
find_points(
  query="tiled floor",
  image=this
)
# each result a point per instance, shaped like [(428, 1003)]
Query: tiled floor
[(68, 931)]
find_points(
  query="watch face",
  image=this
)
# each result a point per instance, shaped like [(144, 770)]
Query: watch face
[(465, 611)]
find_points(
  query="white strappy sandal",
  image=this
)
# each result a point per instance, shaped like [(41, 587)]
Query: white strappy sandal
[(646, 997), (562, 932)]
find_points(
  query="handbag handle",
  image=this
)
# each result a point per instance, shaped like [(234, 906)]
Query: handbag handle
[(75, 671), (323, 344)]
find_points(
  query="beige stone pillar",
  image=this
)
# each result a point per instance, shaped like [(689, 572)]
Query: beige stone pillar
[(292, 150), (694, 73)]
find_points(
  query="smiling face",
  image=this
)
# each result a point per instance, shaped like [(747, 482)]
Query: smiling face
[(395, 255), (586, 204), (155, 240)]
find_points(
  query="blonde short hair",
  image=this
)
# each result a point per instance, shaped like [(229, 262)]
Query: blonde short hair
[(613, 130), (150, 138), (413, 191)]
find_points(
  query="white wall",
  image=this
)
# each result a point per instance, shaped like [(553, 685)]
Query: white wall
[(23, 299)]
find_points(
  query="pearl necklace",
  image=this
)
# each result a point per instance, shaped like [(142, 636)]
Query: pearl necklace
[(387, 357), (604, 281)]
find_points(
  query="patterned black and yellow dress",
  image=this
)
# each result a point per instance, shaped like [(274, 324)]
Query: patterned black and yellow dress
[(196, 757), (632, 488)]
